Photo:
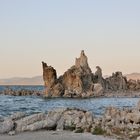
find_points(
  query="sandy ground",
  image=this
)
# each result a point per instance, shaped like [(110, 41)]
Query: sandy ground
[(45, 135)]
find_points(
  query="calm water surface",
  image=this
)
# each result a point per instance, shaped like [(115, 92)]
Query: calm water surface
[(33, 104), (30, 104)]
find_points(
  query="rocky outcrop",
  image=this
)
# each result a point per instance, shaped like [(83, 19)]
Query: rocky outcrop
[(6, 126), (122, 123), (60, 119), (20, 92), (79, 81), (49, 75), (133, 85), (116, 82), (53, 87), (24, 123), (75, 82)]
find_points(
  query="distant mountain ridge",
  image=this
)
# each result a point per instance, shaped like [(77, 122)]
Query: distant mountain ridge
[(37, 80), (134, 76)]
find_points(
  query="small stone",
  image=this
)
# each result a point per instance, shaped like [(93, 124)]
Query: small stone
[(11, 133)]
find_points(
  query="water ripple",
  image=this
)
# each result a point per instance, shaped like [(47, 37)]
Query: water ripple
[(32, 104)]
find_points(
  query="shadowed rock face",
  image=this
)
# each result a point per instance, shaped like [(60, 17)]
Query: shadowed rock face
[(133, 84), (50, 80), (116, 82)]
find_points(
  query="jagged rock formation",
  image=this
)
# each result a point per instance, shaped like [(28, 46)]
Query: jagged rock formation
[(79, 81), (49, 75), (133, 85), (116, 82), (75, 82), (98, 78), (53, 88)]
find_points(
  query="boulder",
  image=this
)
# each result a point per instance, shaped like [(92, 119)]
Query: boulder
[(98, 90), (6, 126), (73, 119), (44, 124), (17, 116), (21, 125)]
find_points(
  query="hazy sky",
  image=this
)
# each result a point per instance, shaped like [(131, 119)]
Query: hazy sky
[(55, 31)]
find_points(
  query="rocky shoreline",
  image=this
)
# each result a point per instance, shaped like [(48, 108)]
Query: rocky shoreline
[(20, 92), (107, 94), (117, 123)]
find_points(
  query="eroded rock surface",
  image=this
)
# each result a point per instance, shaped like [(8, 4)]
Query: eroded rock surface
[(75, 82), (122, 123), (116, 82), (79, 81)]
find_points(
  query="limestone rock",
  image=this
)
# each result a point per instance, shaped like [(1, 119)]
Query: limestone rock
[(98, 74), (21, 125), (98, 90), (138, 138), (116, 82), (49, 75), (133, 85), (82, 61), (80, 82), (75, 82), (6, 126), (78, 79), (17, 116), (44, 124)]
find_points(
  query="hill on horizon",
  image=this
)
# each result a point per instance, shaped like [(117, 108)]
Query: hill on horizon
[(38, 80), (134, 76)]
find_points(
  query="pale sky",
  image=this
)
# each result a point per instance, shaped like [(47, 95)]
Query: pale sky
[(55, 31)]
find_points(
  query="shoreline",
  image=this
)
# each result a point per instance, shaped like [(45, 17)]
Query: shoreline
[(54, 135), (71, 123)]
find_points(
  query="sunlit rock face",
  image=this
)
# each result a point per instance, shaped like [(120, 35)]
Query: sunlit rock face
[(79, 81), (75, 82)]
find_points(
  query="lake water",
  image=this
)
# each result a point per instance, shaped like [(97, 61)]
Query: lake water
[(33, 104)]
